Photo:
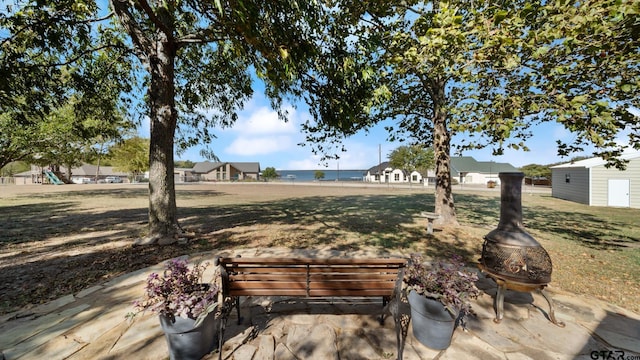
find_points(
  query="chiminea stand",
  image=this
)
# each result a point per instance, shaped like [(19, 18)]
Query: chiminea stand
[(504, 285)]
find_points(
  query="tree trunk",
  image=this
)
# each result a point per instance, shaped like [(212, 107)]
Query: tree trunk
[(158, 52), (442, 147), (163, 222)]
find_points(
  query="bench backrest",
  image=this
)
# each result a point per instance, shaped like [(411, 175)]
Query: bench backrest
[(311, 277)]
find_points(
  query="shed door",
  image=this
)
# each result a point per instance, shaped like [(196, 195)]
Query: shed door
[(619, 192)]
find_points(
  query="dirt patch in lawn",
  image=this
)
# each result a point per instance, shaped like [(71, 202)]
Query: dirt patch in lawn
[(59, 240)]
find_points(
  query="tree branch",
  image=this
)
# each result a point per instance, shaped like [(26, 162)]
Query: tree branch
[(52, 19), (121, 8), (152, 16)]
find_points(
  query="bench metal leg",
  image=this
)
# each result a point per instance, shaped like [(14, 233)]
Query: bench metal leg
[(238, 309), (223, 325), (384, 305)]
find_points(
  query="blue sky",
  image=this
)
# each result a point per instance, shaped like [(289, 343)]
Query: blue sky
[(259, 136)]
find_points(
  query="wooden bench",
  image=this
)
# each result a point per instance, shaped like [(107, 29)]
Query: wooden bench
[(311, 277)]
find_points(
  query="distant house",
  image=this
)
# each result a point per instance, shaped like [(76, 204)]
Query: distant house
[(88, 172), (225, 171), (464, 169), (590, 182), (79, 175), (385, 173), (468, 170)]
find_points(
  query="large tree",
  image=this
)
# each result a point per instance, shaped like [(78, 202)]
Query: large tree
[(198, 61), (490, 72), (201, 54)]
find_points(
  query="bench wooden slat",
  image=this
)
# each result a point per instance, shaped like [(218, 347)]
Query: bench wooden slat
[(267, 285), (313, 261), (269, 292), (264, 270), (271, 270), (268, 277), (339, 292), (348, 285), (355, 277), (361, 270)]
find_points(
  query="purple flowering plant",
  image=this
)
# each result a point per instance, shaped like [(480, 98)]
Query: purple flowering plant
[(445, 281), (178, 291)]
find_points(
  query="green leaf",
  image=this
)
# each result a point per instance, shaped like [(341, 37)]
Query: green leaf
[(499, 16)]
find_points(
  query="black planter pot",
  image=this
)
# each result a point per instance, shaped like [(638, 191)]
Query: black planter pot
[(432, 324), (186, 342)]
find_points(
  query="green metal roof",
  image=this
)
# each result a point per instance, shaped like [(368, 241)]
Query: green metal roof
[(467, 164)]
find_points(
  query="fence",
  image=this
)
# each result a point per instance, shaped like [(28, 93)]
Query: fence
[(7, 181)]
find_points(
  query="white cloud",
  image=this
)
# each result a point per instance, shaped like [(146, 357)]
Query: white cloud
[(359, 156), (251, 146), (265, 121)]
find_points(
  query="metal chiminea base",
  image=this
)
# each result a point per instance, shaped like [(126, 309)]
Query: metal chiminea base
[(504, 285)]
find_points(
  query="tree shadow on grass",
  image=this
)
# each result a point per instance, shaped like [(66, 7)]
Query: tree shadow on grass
[(51, 249), (319, 219), (338, 222), (586, 228)]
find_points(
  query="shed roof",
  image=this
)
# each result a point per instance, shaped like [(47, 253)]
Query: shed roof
[(595, 161), (467, 164)]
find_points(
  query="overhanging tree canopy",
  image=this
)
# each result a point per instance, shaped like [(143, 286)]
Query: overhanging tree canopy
[(199, 55), (198, 58), (492, 71), (53, 56)]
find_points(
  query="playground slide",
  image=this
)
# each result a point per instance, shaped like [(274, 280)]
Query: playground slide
[(53, 178)]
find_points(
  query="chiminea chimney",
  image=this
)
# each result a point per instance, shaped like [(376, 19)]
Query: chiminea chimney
[(510, 255)]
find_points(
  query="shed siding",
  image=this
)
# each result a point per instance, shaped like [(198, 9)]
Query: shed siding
[(577, 189), (600, 182), (600, 176)]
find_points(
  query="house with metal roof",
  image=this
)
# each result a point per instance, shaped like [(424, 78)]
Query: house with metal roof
[(385, 173), (590, 182), (468, 170), (464, 169), (225, 171)]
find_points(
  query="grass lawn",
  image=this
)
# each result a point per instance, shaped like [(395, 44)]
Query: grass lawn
[(58, 240)]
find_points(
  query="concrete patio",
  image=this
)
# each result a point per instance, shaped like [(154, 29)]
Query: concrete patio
[(92, 325)]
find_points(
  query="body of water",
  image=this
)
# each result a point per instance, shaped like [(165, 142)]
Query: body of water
[(329, 175)]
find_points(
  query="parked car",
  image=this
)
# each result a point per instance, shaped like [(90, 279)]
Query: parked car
[(113, 179)]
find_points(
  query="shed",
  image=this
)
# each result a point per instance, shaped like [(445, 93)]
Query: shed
[(590, 182)]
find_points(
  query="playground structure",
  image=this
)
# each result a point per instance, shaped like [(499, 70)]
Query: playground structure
[(52, 177)]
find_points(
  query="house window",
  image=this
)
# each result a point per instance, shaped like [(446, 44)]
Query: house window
[(414, 177), (396, 177), (567, 178)]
